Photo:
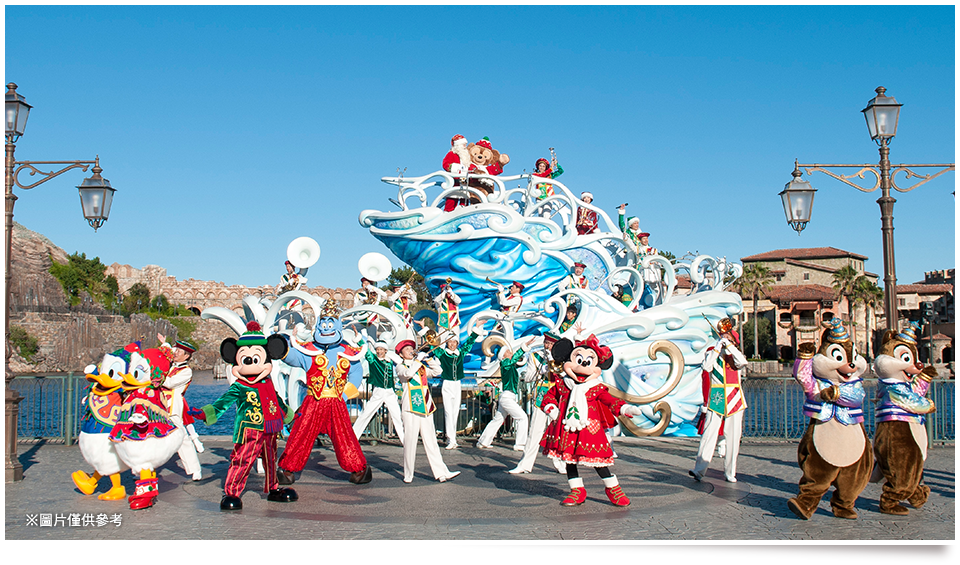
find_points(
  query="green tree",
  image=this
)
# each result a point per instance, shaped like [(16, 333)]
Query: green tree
[(80, 274), (764, 339), (669, 256), (23, 342), (870, 295), (844, 283), (137, 298), (754, 283)]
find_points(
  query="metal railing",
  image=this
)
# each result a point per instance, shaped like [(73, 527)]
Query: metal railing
[(52, 408)]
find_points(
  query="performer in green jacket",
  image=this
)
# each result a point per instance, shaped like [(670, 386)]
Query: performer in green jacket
[(380, 379), (509, 401), (451, 361)]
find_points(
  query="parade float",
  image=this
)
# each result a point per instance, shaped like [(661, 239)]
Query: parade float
[(478, 231)]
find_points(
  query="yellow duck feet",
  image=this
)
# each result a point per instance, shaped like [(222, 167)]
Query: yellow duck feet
[(116, 492), (85, 482)]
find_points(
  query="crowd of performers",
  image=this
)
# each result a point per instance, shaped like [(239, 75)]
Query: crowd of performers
[(138, 417)]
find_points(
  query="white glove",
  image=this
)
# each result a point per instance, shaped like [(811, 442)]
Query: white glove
[(480, 331), (421, 356), (630, 410), (196, 443), (394, 358), (552, 412), (703, 409)]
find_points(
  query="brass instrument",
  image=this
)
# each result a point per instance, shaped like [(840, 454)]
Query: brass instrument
[(371, 297), (430, 340)]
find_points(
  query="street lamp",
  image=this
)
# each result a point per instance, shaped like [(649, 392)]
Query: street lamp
[(882, 114), (96, 196)]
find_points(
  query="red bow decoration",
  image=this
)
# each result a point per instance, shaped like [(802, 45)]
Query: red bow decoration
[(603, 352)]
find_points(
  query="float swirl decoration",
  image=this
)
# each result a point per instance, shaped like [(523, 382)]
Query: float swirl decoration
[(506, 234)]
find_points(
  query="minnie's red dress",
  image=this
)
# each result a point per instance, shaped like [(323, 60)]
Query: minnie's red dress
[(589, 446)]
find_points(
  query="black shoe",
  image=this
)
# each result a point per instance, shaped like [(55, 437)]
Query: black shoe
[(362, 477), (230, 503), (283, 495), (285, 477)]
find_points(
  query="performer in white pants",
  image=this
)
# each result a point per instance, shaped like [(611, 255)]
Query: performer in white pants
[(508, 404), (549, 373), (381, 380), (417, 410), (175, 383), (723, 401), (451, 363)]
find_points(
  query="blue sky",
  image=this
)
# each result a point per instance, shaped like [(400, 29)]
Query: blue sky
[(230, 131)]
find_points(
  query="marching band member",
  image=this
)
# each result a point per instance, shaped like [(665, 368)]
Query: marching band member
[(448, 309), (508, 403), (544, 170), (548, 373), (510, 301), (451, 363), (381, 379), (587, 220), (368, 293), (401, 299), (174, 386), (292, 281), (723, 402), (417, 410)]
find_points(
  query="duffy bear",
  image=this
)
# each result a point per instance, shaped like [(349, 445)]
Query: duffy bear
[(835, 449), (900, 442)]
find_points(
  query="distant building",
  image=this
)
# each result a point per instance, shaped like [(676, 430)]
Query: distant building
[(936, 287), (801, 302)]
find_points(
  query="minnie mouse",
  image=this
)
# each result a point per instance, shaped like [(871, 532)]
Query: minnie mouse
[(587, 408)]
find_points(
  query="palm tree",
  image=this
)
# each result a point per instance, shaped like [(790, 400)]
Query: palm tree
[(755, 281), (871, 295), (844, 281)]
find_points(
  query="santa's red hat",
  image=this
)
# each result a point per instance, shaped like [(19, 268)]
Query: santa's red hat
[(455, 138)]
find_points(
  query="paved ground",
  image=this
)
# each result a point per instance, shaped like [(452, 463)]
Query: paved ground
[(483, 503)]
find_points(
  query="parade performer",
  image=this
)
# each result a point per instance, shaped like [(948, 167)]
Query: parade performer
[(508, 404), (102, 408), (414, 370), (510, 300), (174, 386), (145, 437), (547, 374), (575, 280), (569, 319), (580, 407), (368, 294), (451, 362), (588, 221), (631, 233), (448, 309), (621, 292), (543, 169), (401, 299), (292, 280), (900, 440), (327, 364), (835, 449), (723, 402), (380, 378), (261, 414)]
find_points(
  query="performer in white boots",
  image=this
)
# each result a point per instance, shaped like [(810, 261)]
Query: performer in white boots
[(418, 408), (174, 385), (724, 401), (381, 380), (508, 403), (547, 374), (451, 363)]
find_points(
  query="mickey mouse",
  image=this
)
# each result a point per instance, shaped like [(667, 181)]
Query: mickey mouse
[(587, 408), (261, 414)]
